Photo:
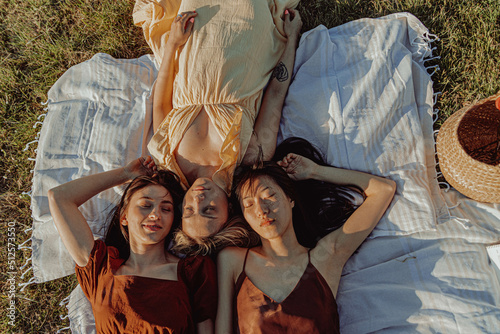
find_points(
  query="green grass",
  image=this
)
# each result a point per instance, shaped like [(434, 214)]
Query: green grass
[(41, 39)]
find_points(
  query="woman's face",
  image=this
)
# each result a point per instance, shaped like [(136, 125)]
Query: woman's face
[(204, 209), (149, 215), (266, 207)]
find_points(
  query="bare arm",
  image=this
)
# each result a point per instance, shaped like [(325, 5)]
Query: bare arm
[(205, 327), (268, 120), (65, 199), (379, 192), (228, 264), (163, 90)]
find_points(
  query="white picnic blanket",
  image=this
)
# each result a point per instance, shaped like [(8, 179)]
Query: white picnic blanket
[(361, 93), (99, 118)]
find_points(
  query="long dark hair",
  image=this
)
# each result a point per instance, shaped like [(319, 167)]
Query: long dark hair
[(117, 235), (326, 205)]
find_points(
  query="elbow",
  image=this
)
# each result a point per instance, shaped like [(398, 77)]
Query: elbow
[(53, 195), (388, 187), (381, 187), (57, 194)]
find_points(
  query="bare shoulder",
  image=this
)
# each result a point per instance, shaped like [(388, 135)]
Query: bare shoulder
[(230, 263), (231, 255)]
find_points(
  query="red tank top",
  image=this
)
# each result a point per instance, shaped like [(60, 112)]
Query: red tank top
[(310, 308)]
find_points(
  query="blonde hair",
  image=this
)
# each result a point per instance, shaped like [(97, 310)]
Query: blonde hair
[(235, 232)]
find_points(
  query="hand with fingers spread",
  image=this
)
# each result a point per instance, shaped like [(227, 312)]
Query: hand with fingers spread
[(181, 28), (144, 166), (297, 166), (293, 23)]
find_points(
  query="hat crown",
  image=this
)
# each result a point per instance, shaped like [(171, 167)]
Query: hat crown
[(479, 133)]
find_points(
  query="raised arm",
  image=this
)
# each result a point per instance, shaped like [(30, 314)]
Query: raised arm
[(268, 120), (162, 97), (379, 192), (65, 199)]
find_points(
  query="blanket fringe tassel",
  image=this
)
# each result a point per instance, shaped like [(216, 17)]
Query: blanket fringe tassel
[(65, 301), (431, 38), (25, 284), (27, 267), (63, 329), (26, 263)]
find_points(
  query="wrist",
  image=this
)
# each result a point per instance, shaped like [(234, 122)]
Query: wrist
[(125, 175), (316, 172), (292, 39), (172, 46)]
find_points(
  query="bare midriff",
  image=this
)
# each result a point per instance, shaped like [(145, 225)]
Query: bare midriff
[(198, 151)]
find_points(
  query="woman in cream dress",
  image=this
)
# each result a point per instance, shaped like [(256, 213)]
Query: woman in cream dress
[(216, 58)]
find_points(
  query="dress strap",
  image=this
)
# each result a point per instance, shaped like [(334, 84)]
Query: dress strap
[(245, 261)]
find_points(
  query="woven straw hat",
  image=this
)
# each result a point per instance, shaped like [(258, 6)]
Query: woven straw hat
[(468, 148)]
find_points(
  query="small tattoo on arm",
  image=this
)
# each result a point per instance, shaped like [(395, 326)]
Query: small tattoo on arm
[(280, 72)]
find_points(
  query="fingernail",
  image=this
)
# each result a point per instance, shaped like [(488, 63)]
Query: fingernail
[(191, 19), (286, 11)]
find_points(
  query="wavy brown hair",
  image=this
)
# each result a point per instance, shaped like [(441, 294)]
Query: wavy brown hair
[(117, 235)]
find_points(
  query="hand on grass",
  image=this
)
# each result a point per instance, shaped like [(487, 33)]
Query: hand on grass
[(144, 166), (297, 167), (181, 28)]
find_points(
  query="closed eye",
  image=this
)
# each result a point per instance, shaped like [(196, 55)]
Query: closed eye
[(209, 209), (246, 205), (145, 204), (188, 212)]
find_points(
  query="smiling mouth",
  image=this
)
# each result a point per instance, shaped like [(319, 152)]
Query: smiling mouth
[(152, 227)]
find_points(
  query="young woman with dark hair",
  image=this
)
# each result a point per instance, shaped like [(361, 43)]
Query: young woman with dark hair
[(131, 277), (280, 285)]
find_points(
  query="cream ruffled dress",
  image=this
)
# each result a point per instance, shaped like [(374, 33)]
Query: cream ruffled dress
[(223, 67)]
